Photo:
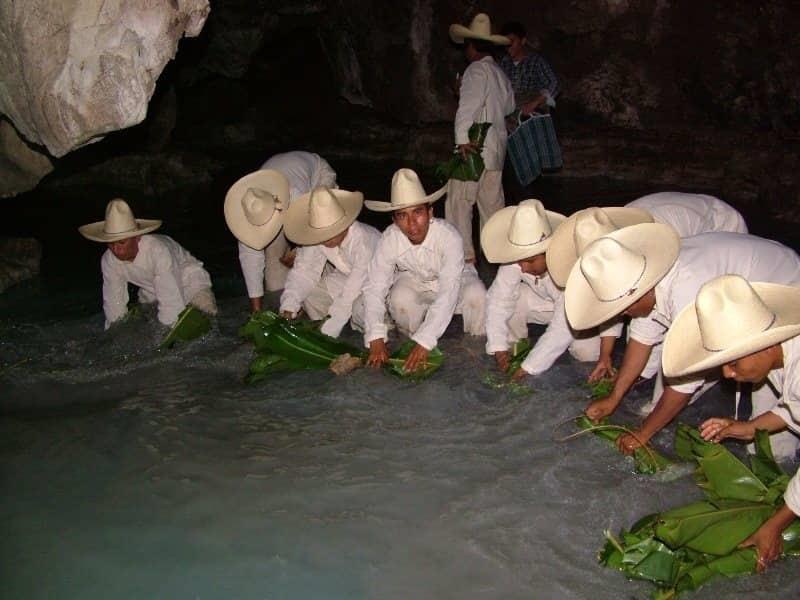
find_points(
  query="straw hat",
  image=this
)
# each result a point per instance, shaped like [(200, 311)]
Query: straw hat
[(254, 205), (479, 29), (616, 270), (321, 215), (118, 225), (407, 191), (517, 232), (582, 228), (730, 318)]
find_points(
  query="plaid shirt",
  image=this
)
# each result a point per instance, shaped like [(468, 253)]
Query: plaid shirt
[(530, 76)]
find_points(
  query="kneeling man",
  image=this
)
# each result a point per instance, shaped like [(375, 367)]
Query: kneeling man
[(162, 269), (419, 265), (331, 263)]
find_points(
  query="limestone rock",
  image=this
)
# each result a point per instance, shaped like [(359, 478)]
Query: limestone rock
[(19, 260), (21, 167), (74, 70)]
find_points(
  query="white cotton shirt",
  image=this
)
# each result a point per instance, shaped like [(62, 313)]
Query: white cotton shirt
[(164, 272), (485, 84), (304, 171), (703, 258), (436, 264), (691, 214), (351, 258)]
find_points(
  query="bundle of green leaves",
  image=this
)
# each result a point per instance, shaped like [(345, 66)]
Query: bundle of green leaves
[(467, 168), (518, 352), (398, 359), (683, 548), (191, 324)]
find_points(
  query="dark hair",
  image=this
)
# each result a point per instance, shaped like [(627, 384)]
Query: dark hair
[(514, 28), (482, 46)]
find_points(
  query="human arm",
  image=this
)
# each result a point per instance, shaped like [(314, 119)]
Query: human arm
[(301, 279), (605, 363), (501, 300), (669, 405), (380, 276), (252, 262), (416, 358), (167, 284), (633, 363), (768, 539), (717, 429), (472, 95), (378, 353), (115, 289), (555, 340)]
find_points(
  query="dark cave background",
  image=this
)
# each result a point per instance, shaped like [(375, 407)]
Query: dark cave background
[(656, 95)]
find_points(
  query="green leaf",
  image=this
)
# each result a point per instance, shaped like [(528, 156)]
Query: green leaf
[(191, 324), (600, 388), (519, 352), (398, 359), (470, 168)]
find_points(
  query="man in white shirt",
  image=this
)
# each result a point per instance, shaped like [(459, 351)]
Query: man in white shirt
[(334, 252), (260, 249), (485, 95), (162, 269), (649, 274), (522, 291), (419, 265), (687, 214), (751, 331)]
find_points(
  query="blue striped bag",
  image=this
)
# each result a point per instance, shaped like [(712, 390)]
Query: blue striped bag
[(533, 146)]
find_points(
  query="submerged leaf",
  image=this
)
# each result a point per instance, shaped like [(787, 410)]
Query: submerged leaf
[(191, 324)]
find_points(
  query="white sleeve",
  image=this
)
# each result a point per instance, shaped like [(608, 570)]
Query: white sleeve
[(169, 293), (440, 312), (553, 342), (788, 409), (646, 330), (380, 276), (501, 300), (303, 276), (342, 307), (612, 328), (115, 290), (252, 262), (470, 103), (792, 495)]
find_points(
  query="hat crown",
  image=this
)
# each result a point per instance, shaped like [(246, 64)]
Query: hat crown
[(481, 25), (591, 225), (729, 311), (612, 269), (529, 224), (324, 209), (258, 206), (119, 218), (407, 188)]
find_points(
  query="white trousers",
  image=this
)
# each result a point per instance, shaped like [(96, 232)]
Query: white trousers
[(409, 301), (330, 286), (462, 196), (532, 308)]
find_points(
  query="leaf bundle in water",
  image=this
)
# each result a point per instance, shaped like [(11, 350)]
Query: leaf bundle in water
[(681, 549), (600, 388), (519, 352), (398, 359), (191, 324)]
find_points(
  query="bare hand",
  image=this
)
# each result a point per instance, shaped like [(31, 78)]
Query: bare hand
[(287, 314), (628, 443), (717, 429), (769, 545), (503, 360), (287, 260), (255, 304), (530, 107), (378, 354), (600, 408), (466, 149), (519, 374), (416, 359), (603, 368)]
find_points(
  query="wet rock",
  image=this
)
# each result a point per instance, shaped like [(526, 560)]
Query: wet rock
[(19, 260)]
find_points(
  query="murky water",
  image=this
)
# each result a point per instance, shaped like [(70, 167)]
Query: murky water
[(128, 472)]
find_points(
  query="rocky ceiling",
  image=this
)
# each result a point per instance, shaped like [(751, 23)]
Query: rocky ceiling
[(679, 93)]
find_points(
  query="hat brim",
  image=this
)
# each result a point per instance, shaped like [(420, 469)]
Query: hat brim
[(562, 253), (296, 226), (458, 33), (256, 236), (657, 242), (380, 206), (96, 232), (499, 249), (684, 352)]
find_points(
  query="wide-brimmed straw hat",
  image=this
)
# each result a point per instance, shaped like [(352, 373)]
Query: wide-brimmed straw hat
[(321, 215), (582, 228), (254, 207), (479, 29), (407, 191), (517, 232), (616, 270), (119, 224), (730, 318)]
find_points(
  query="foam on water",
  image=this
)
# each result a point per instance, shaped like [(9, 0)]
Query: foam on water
[(130, 472)]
